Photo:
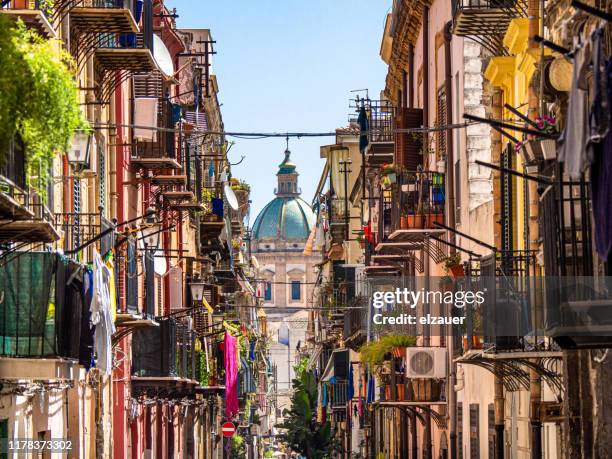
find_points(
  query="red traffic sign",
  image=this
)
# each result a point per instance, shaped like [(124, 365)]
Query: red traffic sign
[(228, 429)]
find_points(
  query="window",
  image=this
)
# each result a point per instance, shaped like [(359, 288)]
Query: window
[(295, 290), (3, 436), (268, 292), (474, 431), (459, 430)]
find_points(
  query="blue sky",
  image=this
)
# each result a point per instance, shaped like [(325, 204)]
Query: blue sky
[(288, 66)]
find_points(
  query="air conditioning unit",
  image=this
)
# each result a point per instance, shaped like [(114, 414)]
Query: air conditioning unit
[(426, 362)]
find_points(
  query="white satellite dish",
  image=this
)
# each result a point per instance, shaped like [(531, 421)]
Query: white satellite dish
[(162, 56), (231, 197)]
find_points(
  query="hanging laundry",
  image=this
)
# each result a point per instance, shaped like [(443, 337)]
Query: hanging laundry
[(101, 316), (351, 385), (573, 151), (231, 375), (601, 185)]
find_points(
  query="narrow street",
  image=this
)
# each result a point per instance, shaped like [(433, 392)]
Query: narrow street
[(203, 257)]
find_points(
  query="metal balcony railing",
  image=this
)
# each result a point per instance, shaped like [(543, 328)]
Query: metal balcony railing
[(154, 350), (486, 21), (25, 214), (381, 116), (565, 228), (413, 200), (339, 394), (79, 228)]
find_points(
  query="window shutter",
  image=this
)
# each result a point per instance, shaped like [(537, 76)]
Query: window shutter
[(407, 152), (442, 121)]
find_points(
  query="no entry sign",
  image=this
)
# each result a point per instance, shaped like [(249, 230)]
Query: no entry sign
[(228, 429)]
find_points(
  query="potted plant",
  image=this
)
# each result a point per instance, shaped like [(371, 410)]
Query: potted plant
[(541, 148), (376, 352), (426, 389), (453, 265), (361, 240), (404, 220), (390, 172)]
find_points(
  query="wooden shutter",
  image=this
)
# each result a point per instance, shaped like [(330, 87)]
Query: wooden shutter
[(407, 152), (441, 121)]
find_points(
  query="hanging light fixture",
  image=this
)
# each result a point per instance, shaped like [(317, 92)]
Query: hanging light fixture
[(196, 286), (79, 151), (151, 229)]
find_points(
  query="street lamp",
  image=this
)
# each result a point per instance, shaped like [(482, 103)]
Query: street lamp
[(197, 290), (79, 151), (150, 230)]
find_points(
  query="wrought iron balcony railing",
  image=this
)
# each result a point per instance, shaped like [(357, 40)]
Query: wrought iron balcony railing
[(339, 394), (154, 350), (411, 200), (161, 149), (37, 15), (486, 21), (565, 228), (24, 216)]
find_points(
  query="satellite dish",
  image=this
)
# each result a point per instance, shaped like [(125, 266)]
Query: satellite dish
[(162, 56), (231, 197)]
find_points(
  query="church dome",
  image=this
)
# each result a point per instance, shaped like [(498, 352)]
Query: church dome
[(287, 217)]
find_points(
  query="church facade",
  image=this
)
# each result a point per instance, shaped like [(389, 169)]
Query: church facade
[(287, 264)]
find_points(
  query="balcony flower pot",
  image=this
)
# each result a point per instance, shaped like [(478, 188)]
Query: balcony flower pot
[(456, 271), (398, 352), (400, 393), (432, 218), (415, 221), (477, 342), (426, 389), (404, 222)]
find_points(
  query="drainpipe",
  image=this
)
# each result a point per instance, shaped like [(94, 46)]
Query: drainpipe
[(117, 165), (450, 192), (410, 94), (428, 453), (535, 382)]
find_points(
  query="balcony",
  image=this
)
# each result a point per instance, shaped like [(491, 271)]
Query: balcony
[(355, 323), (164, 360), (79, 228), (486, 21), (34, 15), (102, 16), (411, 204), (24, 216), (512, 313), (577, 304), (381, 119), (159, 151), (30, 326), (338, 396), (565, 228)]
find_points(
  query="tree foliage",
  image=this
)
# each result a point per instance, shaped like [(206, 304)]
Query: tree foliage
[(303, 433), (39, 98)]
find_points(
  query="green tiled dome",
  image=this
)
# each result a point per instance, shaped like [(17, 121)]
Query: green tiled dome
[(286, 218)]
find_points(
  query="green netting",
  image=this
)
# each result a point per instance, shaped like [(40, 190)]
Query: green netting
[(27, 309)]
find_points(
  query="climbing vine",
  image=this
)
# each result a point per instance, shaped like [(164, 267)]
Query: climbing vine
[(39, 98)]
